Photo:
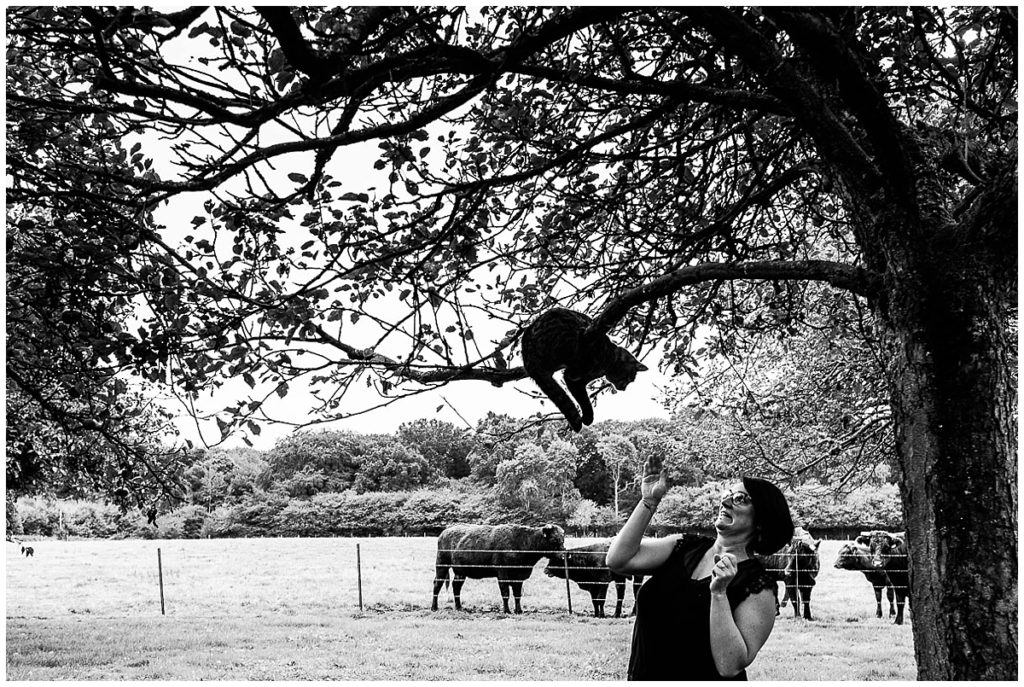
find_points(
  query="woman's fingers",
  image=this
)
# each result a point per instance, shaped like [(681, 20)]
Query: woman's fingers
[(653, 467)]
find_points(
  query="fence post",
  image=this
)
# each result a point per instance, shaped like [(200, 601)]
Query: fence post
[(568, 589), (359, 577), (160, 573)]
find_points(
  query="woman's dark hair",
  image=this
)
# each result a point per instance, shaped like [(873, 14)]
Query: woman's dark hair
[(771, 511)]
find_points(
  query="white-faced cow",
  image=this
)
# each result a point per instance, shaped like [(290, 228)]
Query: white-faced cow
[(586, 567), (889, 554), (507, 552), (855, 556)]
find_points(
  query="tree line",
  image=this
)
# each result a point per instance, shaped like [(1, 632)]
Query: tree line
[(429, 474)]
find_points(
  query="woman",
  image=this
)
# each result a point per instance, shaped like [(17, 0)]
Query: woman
[(709, 605)]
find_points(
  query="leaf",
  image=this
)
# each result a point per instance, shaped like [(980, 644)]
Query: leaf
[(282, 390), (358, 197), (298, 178)]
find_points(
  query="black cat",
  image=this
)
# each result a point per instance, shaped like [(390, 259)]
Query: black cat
[(557, 340)]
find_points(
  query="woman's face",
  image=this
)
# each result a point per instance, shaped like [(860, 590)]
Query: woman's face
[(735, 511)]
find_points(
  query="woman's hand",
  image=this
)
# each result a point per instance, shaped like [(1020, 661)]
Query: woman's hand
[(722, 573), (655, 481)]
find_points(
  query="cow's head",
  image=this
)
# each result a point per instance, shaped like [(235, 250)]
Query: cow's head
[(556, 565), (553, 538), (881, 545), (853, 555)]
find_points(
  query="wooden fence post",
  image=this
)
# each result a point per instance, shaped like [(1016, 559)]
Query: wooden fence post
[(568, 589), (160, 572), (359, 577)]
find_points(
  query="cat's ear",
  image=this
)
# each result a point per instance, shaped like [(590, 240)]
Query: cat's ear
[(640, 367)]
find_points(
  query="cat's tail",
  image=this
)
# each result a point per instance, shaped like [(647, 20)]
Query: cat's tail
[(557, 394)]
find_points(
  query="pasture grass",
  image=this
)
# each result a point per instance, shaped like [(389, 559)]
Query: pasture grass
[(283, 609)]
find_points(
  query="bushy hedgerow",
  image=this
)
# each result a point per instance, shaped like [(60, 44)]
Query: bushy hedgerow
[(812, 506), (430, 510), (43, 517)]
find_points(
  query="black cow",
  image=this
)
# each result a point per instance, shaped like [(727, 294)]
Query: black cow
[(28, 551), (855, 556), (586, 567), (796, 565), (507, 552), (889, 554)]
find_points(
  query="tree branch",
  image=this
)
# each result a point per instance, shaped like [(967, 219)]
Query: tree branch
[(828, 131), (854, 279), (439, 375), (833, 59)]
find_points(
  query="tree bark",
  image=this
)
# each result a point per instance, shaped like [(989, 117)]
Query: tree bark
[(954, 403)]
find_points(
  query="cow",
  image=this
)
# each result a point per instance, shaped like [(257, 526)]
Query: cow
[(586, 567), (28, 551), (889, 555), (507, 552), (796, 565), (855, 556)]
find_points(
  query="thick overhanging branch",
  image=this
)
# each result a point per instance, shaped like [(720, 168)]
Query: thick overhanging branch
[(834, 60), (832, 136), (854, 279)]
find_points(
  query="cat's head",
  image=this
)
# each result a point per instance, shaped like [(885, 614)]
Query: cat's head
[(624, 369)]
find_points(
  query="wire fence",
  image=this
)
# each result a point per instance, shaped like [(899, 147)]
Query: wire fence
[(310, 575), (780, 565)]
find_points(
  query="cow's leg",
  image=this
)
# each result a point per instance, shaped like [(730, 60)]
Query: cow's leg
[(794, 598), (890, 595), (598, 592), (457, 582), (901, 599), (597, 599), (440, 577), (620, 593), (806, 594), (503, 586), (878, 601), (638, 580), (517, 592)]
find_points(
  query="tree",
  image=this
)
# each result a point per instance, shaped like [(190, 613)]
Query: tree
[(538, 479), (620, 457), (393, 466), (336, 456), (497, 436), (443, 445), (665, 169)]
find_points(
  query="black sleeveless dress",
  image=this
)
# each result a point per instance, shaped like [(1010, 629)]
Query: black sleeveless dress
[(672, 631)]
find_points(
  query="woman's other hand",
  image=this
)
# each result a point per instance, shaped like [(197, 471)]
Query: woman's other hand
[(722, 573)]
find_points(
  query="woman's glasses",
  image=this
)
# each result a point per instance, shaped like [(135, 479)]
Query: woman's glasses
[(739, 498)]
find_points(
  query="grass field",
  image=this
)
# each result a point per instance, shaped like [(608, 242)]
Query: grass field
[(279, 609)]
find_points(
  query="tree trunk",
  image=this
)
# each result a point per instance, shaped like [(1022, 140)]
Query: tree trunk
[(954, 402)]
